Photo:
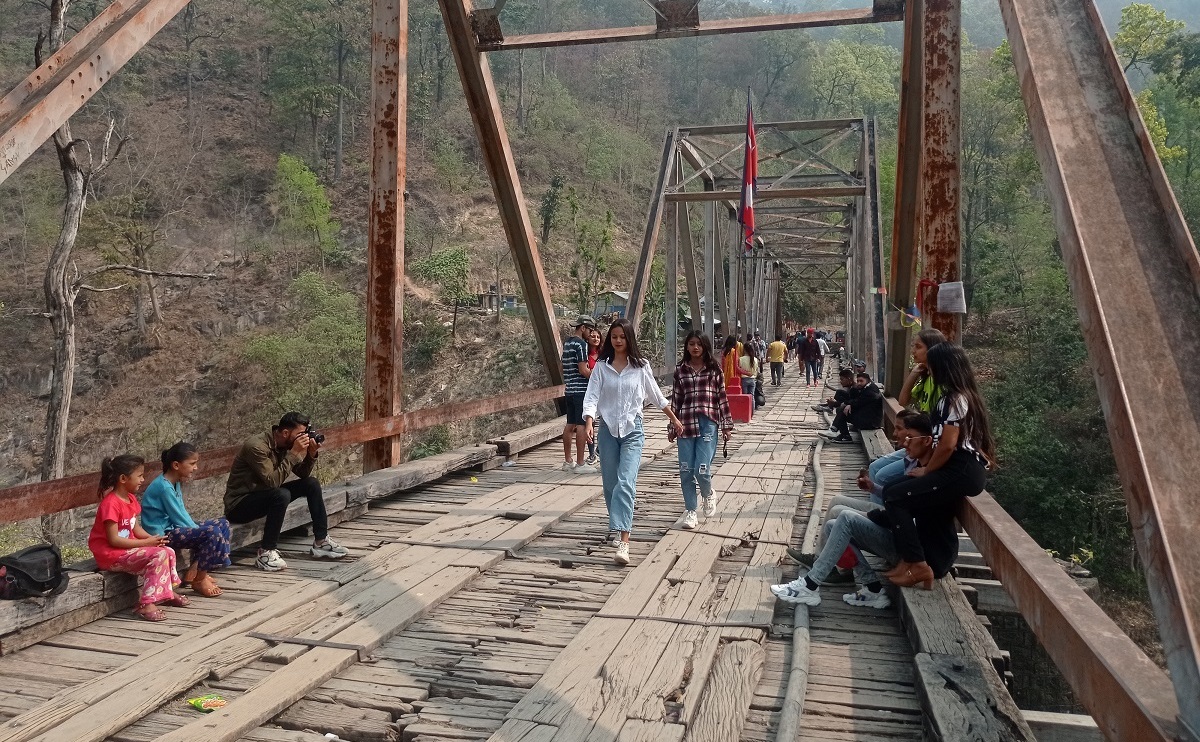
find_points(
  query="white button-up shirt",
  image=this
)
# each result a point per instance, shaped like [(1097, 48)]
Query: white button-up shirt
[(618, 396)]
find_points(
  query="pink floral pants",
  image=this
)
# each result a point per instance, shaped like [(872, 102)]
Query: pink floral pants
[(156, 566)]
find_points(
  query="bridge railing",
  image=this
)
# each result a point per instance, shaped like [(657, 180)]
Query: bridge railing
[(56, 495), (1129, 696)]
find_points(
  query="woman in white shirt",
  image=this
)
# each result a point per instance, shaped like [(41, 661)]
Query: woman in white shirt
[(617, 390), (748, 368)]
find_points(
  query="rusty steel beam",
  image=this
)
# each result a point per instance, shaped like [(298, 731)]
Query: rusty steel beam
[(484, 104), (382, 383), (641, 275), (688, 256), (769, 194), (783, 22), (906, 221), (941, 139), (31, 112), (53, 496), (795, 125), (1127, 694), (1134, 274)]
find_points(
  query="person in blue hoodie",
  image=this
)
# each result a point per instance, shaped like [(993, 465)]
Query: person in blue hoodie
[(163, 513)]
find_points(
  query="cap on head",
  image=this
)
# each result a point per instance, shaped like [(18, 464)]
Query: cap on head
[(584, 321)]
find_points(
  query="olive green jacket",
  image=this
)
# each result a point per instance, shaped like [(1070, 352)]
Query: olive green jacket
[(260, 466)]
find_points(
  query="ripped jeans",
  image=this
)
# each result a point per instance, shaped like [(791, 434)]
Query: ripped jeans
[(695, 462)]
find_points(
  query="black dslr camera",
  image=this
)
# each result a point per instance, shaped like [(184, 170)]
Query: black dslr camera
[(311, 432)]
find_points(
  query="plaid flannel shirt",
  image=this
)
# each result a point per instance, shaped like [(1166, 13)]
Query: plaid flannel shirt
[(695, 393)]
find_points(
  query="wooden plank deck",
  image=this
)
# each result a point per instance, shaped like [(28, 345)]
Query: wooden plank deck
[(490, 609)]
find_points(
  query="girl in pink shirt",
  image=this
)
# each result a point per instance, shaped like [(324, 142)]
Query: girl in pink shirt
[(120, 544)]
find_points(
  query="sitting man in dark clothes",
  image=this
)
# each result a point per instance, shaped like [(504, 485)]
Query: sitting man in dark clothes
[(864, 411), (258, 487)]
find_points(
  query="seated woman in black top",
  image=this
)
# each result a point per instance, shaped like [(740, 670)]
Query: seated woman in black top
[(930, 494)]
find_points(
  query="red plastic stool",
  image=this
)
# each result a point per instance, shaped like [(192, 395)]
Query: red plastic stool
[(741, 407)]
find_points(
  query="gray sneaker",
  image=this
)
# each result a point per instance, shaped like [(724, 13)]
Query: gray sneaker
[(329, 549)]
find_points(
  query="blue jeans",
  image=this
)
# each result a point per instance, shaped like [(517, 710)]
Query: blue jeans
[(886, 470), (620, 459), (695, 462), (748, 385), (811, 374), (852, 528)]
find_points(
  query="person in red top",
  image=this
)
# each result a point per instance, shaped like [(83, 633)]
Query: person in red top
[(698, 392), (594, 341), (120, 544)]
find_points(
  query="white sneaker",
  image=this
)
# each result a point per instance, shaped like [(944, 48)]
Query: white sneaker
[(567, 466), (690, 520), (270, 561), (868, 599), (622, 555), (586, 469), (828, 434), (796, 592), (613, 539), (329, 549), (593, 460), (710, 505)]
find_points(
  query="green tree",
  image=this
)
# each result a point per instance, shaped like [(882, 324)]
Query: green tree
[(1143, 33), (450, 269), (302, 210), (316, 364)]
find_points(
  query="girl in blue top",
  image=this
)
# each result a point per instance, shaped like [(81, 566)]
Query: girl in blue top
[(163, 513)]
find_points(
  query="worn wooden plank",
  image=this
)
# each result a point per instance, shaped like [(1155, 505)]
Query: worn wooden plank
[(1051, 727), (723, 710), (527, 438), (963, 698)]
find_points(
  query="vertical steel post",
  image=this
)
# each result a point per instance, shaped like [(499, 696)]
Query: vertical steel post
[(941, 244), (671, 291), (720, 262), (641, 277), (906, 221), (688, 254), (878, 299), (484, 104), (383, 395), (710, 268)]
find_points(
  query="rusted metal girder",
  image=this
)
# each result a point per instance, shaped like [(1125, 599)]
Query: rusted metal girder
[(384, 396), (941, 140), (906, 220), (687, 254), (784, 22), (641, 276), (1134, 274), (484, 104), (53, 496), (878, 300), (31, 112), (768, 194)]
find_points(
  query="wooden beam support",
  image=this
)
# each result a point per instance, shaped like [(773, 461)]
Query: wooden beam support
[(780, 22), (484, 104), (382, 384)]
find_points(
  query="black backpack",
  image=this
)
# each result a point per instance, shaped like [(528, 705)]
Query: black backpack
[(35, 572)]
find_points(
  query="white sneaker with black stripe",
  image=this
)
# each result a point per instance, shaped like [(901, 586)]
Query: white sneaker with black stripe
[(269, 560), (868, 599), (329, 549)]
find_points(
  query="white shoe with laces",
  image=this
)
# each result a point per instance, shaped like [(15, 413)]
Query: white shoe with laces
[(269, 560), (568, 466), (868, 599), (622, 555), (710, 505), (586, 469), (329, 549), (796, 592), (690, 520)]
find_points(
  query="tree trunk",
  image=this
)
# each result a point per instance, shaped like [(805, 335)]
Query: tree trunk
[(341, 109), (521, 89)]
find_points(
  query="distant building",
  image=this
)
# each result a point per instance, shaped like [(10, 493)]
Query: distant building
[(611, 303)]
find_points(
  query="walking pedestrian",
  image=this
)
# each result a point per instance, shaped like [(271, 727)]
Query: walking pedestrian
[(574, 365), (748, 368), (810, 355), (698, 395), (619, 387), (777, 356)]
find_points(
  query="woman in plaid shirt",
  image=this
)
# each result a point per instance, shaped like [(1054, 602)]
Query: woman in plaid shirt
[(698, 396)]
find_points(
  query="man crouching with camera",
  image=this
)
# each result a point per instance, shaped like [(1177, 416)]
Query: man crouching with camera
[(258, 487)]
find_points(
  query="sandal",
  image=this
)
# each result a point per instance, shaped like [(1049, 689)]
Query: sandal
[(150, 612), (179, 601), (207, 588)]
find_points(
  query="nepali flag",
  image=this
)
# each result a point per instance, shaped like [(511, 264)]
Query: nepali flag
[(749, 180)]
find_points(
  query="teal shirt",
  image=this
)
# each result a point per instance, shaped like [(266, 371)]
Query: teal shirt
[(163, 509)]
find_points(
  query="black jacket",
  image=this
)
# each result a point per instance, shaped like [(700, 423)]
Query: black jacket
[(866, 409)]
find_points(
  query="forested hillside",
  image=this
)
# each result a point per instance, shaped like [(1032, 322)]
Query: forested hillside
[(246, 159)]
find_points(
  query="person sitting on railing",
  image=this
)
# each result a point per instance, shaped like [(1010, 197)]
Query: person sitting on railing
[(963, 449), (258, 487), (917, 391), (848, 527), (842, 396), (164, 514), (864, 411)]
